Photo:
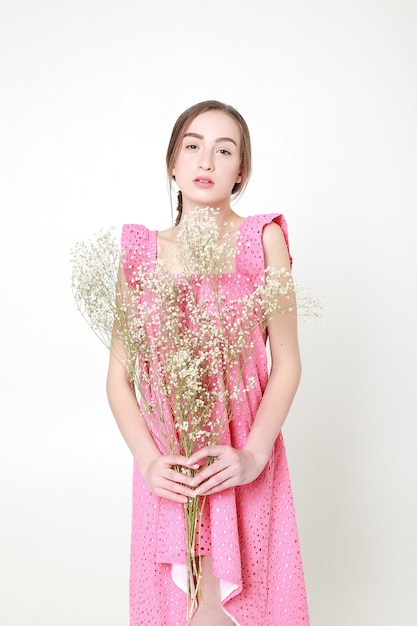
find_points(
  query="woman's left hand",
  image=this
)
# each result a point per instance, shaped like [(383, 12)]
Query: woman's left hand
[(230, 468)]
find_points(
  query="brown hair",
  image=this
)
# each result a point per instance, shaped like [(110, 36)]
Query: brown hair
[(180, 128)]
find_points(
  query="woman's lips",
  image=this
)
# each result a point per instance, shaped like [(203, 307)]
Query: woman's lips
[(203, 182)]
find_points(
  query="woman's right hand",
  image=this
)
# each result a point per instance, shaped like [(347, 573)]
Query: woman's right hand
[(163, 480)]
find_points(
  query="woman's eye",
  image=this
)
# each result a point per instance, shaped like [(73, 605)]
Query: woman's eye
[(224, 151), (191, 146)]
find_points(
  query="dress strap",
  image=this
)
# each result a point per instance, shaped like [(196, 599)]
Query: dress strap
[(250, 258), (138, 249)]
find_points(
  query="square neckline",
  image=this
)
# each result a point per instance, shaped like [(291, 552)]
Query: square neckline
[(155, 234)]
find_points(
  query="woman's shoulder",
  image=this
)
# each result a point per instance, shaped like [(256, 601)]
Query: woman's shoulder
[(265, 225), (267, 230)]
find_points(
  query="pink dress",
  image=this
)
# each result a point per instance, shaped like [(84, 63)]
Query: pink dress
[(250, 531)]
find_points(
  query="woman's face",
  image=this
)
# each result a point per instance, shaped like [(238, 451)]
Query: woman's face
[(208, 162)]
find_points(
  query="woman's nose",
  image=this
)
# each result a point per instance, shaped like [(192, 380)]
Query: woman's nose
[(206, 163)]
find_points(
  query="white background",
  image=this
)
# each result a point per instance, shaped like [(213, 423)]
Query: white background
[(89, 92)]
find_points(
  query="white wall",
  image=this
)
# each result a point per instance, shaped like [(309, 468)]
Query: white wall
[(90, 90)]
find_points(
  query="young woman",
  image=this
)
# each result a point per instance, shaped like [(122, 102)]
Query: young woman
[(252, 571)]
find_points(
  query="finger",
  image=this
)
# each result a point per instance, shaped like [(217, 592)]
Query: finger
[(176, 479), (173, 483), (171, 495), (214, 485), (217, 488), (208, 471), (215, 474), (204, 453), (183, 476), (180, 460)]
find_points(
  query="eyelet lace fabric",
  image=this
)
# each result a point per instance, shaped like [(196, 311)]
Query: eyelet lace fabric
[(249, 531)]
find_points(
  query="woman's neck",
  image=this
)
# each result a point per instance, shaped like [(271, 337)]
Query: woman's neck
[(224, 214)]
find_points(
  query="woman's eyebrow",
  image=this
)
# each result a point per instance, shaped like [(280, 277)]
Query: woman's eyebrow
[(220, 139)]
